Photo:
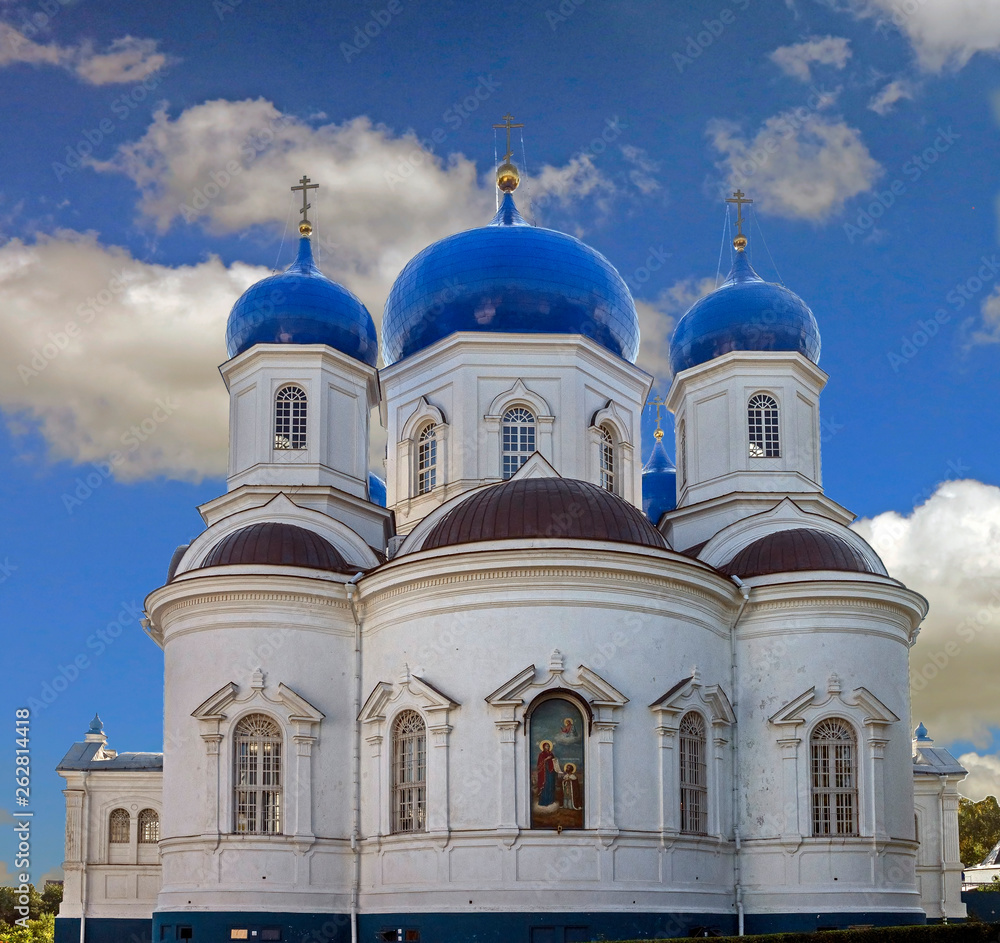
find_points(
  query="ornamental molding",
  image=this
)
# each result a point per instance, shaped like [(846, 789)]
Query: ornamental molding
[(689, 694), (615, 418), (219, 710), (294, 599), (520, 394), (838, 602), (860, 705), (409, 690), (424, 412), (514, 694)]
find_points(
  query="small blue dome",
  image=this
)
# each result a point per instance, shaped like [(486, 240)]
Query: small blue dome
[(509, 277), (376, 490), (659, 484), (744, 313), (302, 306)]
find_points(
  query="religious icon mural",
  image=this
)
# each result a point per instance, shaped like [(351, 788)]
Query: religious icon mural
[(557, 729)]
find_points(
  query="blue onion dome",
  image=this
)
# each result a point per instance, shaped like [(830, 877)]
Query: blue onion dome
[(659, 482), (302, 306), (744, 313), (513, 278), (376, 490)]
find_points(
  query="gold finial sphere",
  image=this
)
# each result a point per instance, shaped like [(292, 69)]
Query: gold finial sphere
[(507, 177), (658, 434), (305, 228), (740, 243)]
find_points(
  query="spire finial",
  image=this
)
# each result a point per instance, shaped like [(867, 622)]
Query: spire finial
[(507, 176), (739, 198), (305, 227), (658, 402)]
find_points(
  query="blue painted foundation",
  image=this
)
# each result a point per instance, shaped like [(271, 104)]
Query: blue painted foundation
[(810, 922), (983, 904), (475, 927), (104, 930)]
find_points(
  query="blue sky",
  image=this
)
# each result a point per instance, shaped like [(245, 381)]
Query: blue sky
[(147, 156)]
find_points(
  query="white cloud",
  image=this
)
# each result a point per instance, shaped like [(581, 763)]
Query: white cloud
[(987, 331), (887, 97), (94, 342), (644, 168), (946, 549), (795, 60), (127, 59), (943, 33), (801, 164), (984, 776)]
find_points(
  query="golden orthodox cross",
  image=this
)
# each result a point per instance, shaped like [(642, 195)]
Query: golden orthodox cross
[(305, 187), (508, 118), (740, 199), (658, 402)]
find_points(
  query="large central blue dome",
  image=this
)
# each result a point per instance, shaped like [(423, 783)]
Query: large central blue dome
[(744, 313), (509, 277)]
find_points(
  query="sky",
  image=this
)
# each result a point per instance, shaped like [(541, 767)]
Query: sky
[(146, 159)]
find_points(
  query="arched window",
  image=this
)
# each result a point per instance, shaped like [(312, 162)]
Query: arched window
[(118, 827), (427, 459), (518, 439), (681, 451), (557, 768), (258, 776), (608, 469), (149, 827), (762, 426), (694, 785), (290, 418), (833, 762), (409, 773)]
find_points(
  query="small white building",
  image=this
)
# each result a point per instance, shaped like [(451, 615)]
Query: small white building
[(536, 691)]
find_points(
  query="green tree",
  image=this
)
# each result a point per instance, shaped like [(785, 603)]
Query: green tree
[(978, 829), (41, 930), (52, 898), (9, 897)]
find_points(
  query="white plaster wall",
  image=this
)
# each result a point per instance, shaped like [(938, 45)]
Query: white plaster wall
[(217, 630)]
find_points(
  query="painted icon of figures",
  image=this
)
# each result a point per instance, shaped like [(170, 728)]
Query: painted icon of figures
[(557, 769)]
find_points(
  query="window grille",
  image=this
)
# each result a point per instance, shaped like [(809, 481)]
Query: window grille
[(118, 827), (518, 439), (258, 776), (607, 459), (290, 418), (427, 459), (409, 773), (149, 827), (834, 779), (694, 785), (762, 425), (681, 452)]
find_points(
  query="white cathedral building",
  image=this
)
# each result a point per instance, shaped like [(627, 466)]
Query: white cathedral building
[(528, 689)]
